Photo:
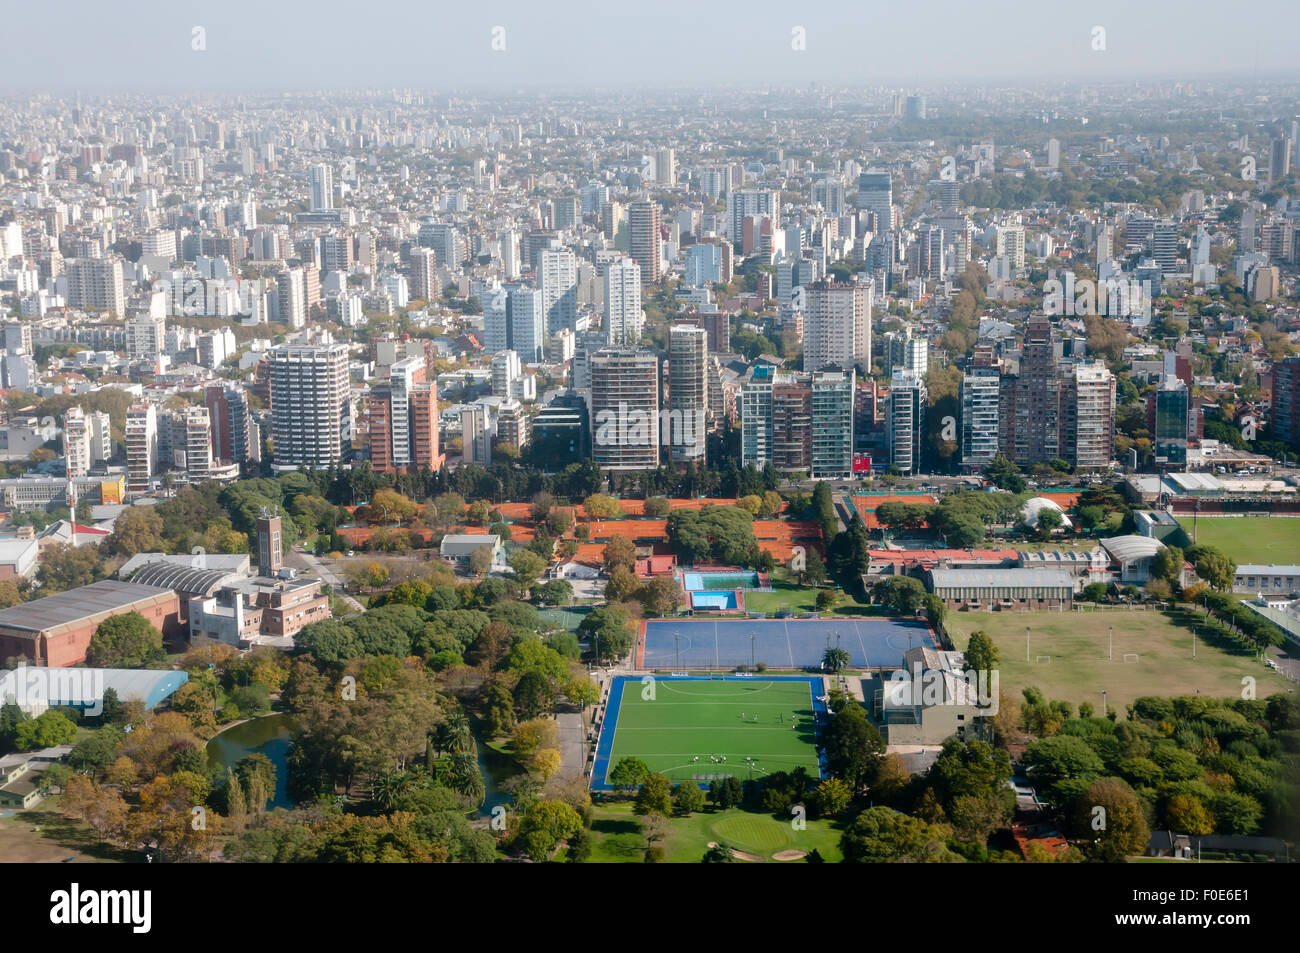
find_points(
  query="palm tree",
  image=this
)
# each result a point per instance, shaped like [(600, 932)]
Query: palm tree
[(455, 734), (464, 778), (836, 659)]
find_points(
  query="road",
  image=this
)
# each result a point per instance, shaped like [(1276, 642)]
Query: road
[(309, 563)]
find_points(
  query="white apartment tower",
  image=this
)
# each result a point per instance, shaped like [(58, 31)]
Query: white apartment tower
[(624, 317), (309, 405)]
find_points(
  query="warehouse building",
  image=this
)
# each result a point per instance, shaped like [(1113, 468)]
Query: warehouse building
[(56, 630), (1002, 590)]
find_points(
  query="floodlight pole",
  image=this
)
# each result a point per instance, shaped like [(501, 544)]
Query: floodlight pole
[(1112, 642), (1026, 644), (1103, 703), (751, 650)]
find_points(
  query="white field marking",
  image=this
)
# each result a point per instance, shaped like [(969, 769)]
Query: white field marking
[(766, 685)]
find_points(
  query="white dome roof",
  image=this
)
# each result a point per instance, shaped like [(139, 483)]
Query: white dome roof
[(1036, 506)]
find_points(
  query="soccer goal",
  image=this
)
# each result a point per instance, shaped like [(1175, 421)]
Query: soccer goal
[(1132, 657), (1043, 659)]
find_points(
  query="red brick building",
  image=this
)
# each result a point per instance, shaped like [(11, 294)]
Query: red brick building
[(56, 631)]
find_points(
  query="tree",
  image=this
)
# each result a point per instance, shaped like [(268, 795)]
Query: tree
[(137, 530), (655, 796), (582, 691), (1119, 828), (836, 659), (64, 566), (1187, 814), (628, 773), (831, 797), (853, 746), (125, 641), (528, 569), (533, 694), (688, 798), (657, 507), (882, 835), (46, 730), (619, 551), (622, 585), (1005, 475), (982, 653), (1214, 566), (661, 595), (900, 594), (1167, 564), (814, 571), (602, 507), (1094, 591), (480, 561)]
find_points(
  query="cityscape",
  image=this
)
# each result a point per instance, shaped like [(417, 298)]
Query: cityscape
[(440, 472)]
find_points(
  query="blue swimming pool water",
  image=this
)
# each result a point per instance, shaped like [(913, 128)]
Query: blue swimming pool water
[(708, 581), (723, 599)]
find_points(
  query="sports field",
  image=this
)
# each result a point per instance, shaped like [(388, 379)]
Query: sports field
[(1078, 644), (681, 644), (1249, 539), (685, 727)]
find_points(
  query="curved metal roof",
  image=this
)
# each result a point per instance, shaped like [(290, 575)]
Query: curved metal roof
[(1127, 548), (191, 580)]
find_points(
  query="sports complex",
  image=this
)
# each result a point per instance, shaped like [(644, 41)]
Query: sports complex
[(706, 728), (675, 644)]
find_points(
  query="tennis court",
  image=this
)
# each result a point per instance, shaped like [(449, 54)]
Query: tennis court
[(704, 729), (676, 644)]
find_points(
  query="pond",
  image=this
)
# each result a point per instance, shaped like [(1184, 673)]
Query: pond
[(269, 735)]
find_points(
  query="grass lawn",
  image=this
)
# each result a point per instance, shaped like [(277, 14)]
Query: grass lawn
[(43, 835), (784, 595), (1079, 670), (787, 594), (618, 838), (686, 720), (1250, 539)]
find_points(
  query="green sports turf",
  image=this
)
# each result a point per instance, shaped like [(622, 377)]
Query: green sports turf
[(689, 718)]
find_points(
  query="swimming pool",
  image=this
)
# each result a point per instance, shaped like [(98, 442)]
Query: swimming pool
[(718, 601), (711, 581)]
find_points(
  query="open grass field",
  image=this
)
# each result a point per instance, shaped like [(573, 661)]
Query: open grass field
[(618, 838), (683, 724), (1250, 539), (43, 835), (1079, 670)]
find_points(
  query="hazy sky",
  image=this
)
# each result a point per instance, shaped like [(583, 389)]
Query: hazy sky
[(57, 45)]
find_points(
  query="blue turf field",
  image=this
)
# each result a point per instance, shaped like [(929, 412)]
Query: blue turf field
[(779, 643)]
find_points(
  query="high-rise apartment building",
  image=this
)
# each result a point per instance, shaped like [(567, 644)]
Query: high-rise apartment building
[(837, 325), (643, 227), (688, 392), (625, 409), (310, 407), (321, 179), (905, 421), (233, 433), (980, 405), (624, 317), (424, 274), (141, 437), (96, 283), (558, 278), (832, 424)]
